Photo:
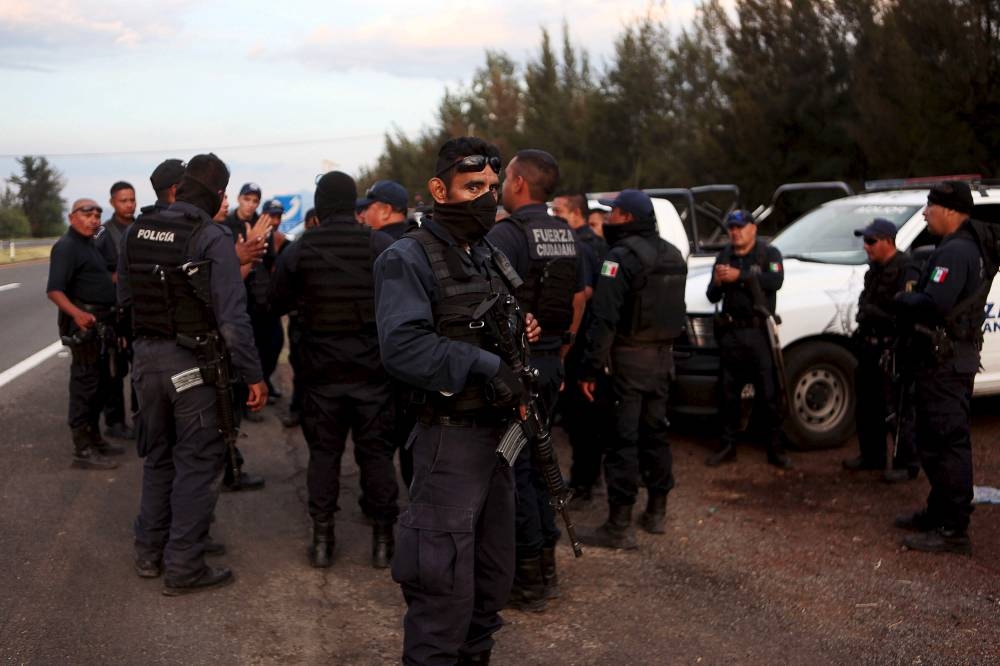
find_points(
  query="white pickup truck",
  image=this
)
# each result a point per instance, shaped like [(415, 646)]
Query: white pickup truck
[(824, 273)]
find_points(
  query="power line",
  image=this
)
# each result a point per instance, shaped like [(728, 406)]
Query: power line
[(186, 151)]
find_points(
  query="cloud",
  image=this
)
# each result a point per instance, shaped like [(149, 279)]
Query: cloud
[(20, 67)]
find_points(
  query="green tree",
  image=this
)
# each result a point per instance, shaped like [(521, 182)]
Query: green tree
[(39, 189)]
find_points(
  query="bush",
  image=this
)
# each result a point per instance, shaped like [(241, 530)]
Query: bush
[(14, 223)]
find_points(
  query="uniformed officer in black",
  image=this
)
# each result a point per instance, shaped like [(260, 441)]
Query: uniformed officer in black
[(108, 240), (293, 418), (80, 285), (946, 313), (638, 310), (384, 209), (875, 341), (745, 266), (178, 271), (455, 541), (588, 424), (326, 277), (165, 179), (543, 251)]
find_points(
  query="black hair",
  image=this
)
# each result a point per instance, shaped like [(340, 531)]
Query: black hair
[(121, 185), (576, 201), (455, 149), (540, 170)]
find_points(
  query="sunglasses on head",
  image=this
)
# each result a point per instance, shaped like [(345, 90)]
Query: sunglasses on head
[(472, 164), (87, 210)]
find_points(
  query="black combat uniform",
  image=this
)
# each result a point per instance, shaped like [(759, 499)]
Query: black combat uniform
[(326, 276), (455, 555), (78, 269), (637, 311), (746, 354), (179, 429), (946, 313), (877, 391)]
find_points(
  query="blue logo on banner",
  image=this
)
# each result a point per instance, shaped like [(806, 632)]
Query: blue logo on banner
[(293, 210)]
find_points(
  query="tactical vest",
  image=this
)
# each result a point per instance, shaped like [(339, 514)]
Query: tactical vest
[(654, 310), (551, 281), (461, 291), (171, 294), (335, 284), (595, 243), (875, 303), (965, 322)]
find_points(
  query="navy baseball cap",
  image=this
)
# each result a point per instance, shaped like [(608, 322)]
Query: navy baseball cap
[(386, 191), (273, 207), (636, 202), (250, 188), (879, 228), (739, 218), (167, 173)]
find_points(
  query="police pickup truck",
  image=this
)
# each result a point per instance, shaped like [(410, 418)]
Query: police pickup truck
[(824, 273)]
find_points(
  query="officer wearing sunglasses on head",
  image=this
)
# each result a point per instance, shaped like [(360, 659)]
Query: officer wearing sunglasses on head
[(455, 541), (875, 339), (746, 277)]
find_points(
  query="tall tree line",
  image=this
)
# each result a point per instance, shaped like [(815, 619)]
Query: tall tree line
[(775, 91)]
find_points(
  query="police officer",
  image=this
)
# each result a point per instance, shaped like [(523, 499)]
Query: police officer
[(875, 343), (638, 309), (543, 251), (326, 276), (80, 285), (178, 271), (293, 418), (746, 278), (455, 554), (165, 179), (108, 240), (946, 313)]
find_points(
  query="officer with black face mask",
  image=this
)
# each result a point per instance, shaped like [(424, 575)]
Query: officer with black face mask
[(326, 277), (178, 271), (455, 541)]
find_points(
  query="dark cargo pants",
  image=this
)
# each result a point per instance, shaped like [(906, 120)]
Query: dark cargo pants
[(455, 544)]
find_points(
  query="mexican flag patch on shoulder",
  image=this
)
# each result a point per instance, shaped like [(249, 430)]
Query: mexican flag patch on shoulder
[(609, 269), (939, 274), (774, 267)]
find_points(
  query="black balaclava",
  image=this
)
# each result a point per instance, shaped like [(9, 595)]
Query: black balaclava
[(467, 221), (336, 193), (204, 183)]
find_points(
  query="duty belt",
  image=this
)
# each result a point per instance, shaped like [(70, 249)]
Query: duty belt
[(464, 421)]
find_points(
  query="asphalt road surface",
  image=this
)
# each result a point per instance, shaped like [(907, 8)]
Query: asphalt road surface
[(758, 566), (29, 318)]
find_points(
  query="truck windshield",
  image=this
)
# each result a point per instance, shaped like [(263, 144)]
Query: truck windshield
[(826, 235)]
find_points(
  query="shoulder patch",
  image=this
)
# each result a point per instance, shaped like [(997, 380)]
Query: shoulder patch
[(609, 268), (774, 267), (939, 274)]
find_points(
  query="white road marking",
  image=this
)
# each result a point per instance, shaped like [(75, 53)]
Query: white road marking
[(30, 363), (8, 287)]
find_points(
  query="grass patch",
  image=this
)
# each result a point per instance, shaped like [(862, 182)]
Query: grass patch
[(25, 254)]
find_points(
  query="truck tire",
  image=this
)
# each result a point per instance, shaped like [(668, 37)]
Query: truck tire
[(821, 397)]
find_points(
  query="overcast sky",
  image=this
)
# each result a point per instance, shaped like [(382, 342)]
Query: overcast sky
[(279, 90)]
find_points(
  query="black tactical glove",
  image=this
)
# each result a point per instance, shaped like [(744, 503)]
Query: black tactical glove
[(505, 389)]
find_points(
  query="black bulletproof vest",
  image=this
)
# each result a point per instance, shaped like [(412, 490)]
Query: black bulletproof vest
[(882, 283), (171, 295), (965, 322), (551, 281), (461, 290), (335, 284), (654, 309)]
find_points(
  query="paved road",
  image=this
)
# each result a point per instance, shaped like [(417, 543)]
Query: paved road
[(29, 318)]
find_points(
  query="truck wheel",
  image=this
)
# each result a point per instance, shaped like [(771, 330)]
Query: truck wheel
[(820, 380)]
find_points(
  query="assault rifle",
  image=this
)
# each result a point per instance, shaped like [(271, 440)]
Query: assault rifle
[(503, 316), (213, 368)]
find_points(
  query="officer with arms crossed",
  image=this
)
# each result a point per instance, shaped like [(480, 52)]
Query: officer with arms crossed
[(326, 277), (178, 271), (946, 313), (638, 310), (746, 278), (875, 340), (543, 251), (455, 555), (81, 287)]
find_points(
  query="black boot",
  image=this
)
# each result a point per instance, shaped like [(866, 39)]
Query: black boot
[(549, 575), (653, 517), (383, 546), (101, 445), (84, 455), (725, 453), (616, 532), (321, 550), (528, 593), (478, 659)]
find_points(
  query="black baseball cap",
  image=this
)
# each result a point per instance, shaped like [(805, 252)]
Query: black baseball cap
[(879, 228), (636, 202), (167, 173), (273, 207)]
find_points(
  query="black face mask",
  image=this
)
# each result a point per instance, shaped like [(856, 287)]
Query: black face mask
[(467, 221), (614, 232)]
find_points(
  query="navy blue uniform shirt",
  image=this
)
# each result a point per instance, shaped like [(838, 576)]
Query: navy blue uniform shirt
[(738, 295), (78, 269)]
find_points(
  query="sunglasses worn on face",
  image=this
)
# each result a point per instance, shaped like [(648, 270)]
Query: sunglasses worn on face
[(871, 241), (472, 164), (87, 210)]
